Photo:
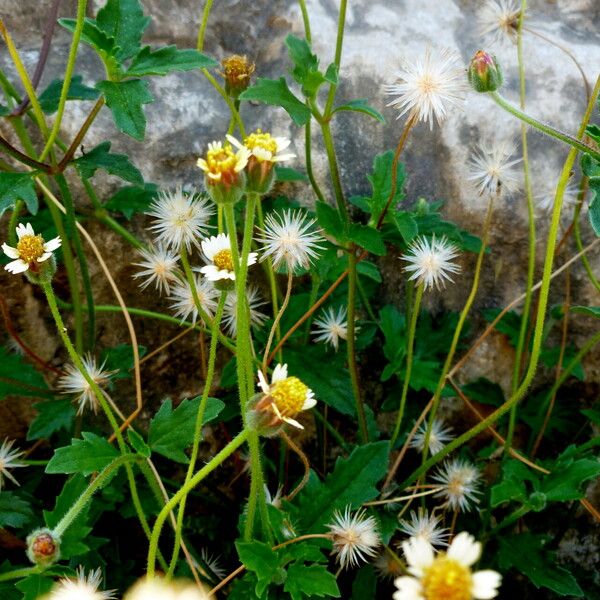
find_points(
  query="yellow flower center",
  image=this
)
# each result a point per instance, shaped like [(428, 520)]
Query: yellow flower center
[(30, 248), (221, 160), (289, 395), (223, 260), (237, 68), (258, 139), (447, 579)]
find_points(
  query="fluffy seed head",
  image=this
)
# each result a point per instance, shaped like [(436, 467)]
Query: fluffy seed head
[(9, 459), (438, 438), (183, 304), (499, 20), (331, 326), (83, 587), (254, 302), (458, 482), (159, 267), (425, 526), (430, 262), (492, 171)]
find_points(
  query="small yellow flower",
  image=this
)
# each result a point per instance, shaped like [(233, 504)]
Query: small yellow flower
[(237, 71), (31, 249)]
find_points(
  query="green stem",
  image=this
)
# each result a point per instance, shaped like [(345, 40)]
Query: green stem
[(212, 359), (584, 259), (191, 280), (544, 128), (225, 453), (531, 236), (19, 573), (334, 169), (459, 327), (351, 348), (338, 54), (73, 234), (12, 223), (305, 20), (99, 482), (410, 345), (203, 25), (80, 20), (308, 161), (230, 104), (540, 317)]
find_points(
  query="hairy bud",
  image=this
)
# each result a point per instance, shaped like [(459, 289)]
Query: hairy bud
[(43, 547), (485, 74)]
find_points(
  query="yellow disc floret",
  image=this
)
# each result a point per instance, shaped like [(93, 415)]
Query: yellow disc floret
[(220, 159), (223, 260), (263, 142), (447, 579), (289, 395), (30, 248)]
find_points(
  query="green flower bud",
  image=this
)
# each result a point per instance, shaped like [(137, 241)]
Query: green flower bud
[(43, 547), (485, 74)]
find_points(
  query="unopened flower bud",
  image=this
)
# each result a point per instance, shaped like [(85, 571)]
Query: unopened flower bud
[(43, 547), (485, 74), (237, 71)]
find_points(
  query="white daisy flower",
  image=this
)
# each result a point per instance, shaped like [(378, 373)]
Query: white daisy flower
[(425, 526), (84, 587), (285, 396), (159, 267), (183, 300), (355, 537), (438, 438), (458, 481), (288, 240), (160, 589), (181, 219), (217, 251), (31, 249), (253, 300), (430, 262), (9, 459), (331, 326), (545, 198), (73, 382), (492, 170), (427, 87), (264, 147), (499, 20), (447, 574)]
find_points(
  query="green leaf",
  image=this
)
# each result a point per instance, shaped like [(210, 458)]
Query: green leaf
[(329, 219), (35, 586), (276, 92), (566, 480), (365, 583), (485, 391), (368, 238), (120, 359), (594, 208), (591, 168), (589, 311), (4, 110), (17, 186), (525, 552), (509, 324), (361, 106), (14, 511), (92, 35), (138, 444), (261, 560), (50, 97), (351, 483), (381, 184), (406, 225), (19, 378), (166, 60), (550, 357), (172, 431), (125, 100), (332, 385), (115, 164), (85, 456), (306, 66), (73, 541), (52, 416), (124, 21), (512, 485), (310, 580), (132, 200), (289, 174), (369, 269), (593, 131)]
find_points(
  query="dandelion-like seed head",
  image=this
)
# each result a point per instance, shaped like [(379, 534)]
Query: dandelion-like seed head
[(492, 171), (73, 382), (499, 20), (355, 537), (331, 326), (159, 589), (438, 437), (458, 481), (283, 398), (180, 219), (429, 86), (159, 267), (447, 575), (289, 239), (426, 526), (83, 587), (254, 302), (430, 262), (183, 303), (31, 250), (546, 197), (217, 252), (9, 459)]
